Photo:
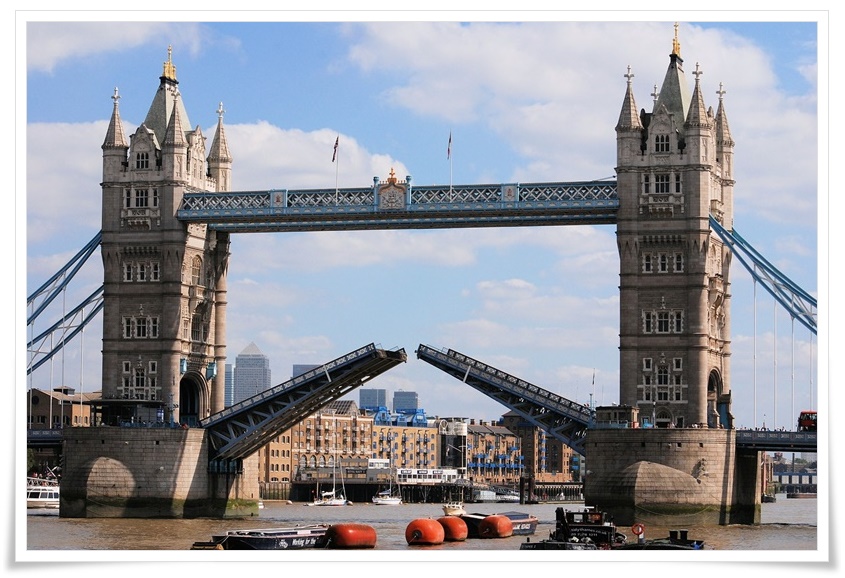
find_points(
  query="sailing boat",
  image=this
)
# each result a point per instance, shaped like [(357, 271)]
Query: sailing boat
[(332, 498), (387, 497)]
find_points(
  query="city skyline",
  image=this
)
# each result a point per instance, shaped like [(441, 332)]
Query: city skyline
[(540, 303)]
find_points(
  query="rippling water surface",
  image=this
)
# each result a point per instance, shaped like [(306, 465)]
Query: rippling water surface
[(787, 525)]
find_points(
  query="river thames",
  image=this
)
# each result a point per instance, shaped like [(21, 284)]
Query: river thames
[(788, 531)]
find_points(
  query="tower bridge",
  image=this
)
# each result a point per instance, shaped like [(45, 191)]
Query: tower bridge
[(168, 214)]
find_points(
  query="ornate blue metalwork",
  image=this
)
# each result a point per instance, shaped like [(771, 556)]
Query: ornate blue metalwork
[(430, 207)]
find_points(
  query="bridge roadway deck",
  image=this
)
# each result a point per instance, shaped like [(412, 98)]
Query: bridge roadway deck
[(242, 429)]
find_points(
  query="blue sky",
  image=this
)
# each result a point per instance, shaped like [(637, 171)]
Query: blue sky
[(524, 101)]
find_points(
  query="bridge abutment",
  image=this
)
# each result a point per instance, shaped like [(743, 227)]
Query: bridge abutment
[(117, 472), (689, 476)]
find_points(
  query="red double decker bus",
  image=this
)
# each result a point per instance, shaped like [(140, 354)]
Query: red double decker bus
[(807, 420)]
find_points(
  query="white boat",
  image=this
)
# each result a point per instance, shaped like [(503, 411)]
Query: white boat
[(389, 497), (42, 493), (331, 498), (454, 509), (386, 499)]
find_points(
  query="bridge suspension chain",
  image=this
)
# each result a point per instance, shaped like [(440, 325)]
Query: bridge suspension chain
[(798, 303)]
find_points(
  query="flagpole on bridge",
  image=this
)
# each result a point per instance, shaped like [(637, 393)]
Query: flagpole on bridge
[(449, 158), (336, 166)]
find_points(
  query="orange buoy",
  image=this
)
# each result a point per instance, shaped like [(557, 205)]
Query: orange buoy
[(350, 536), (495, 526), (454, 528), (424, 531)]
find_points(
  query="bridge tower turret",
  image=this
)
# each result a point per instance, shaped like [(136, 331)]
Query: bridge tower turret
[(674, 169), (164, 315)]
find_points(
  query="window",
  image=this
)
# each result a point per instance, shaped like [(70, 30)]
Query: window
[(664, 263), (678, 183), (127, 199), (663, 322), (141, 328), (155, 272), (142, 198), (142, 271), (679, 322), (142, 161), (646, 185), (153, 367), (677, 363), (663, 379), (155, 198), (647, 263), (661, 143), (140, 378), (647, 364), (648, 322), (153, 326), (127, 272), (661, 183), (196, 270), (679, 263), (127, 328), (127, 367)]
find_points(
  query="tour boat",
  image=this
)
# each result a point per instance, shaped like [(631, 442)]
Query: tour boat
[(42, 493)]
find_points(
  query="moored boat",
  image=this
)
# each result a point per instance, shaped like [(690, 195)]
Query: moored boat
[(521, 523), (587, 529), (285, 538), (677, 540), (331, 498), (42, 493), (454, 508), (424, 532)]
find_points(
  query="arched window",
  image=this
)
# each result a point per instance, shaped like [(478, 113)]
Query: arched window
[(196, 270)]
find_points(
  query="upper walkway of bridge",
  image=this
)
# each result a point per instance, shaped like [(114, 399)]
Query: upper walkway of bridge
[(405, 207)]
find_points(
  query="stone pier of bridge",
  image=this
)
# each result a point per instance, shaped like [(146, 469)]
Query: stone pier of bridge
[(122, 472)]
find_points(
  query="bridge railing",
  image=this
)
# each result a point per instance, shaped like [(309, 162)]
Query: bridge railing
[(515, 385), (291, 383)]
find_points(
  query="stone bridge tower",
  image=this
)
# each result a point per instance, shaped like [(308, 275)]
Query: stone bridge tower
[(674, 170), (164, 320)]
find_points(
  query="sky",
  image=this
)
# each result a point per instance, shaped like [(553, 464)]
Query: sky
[(525, 100)]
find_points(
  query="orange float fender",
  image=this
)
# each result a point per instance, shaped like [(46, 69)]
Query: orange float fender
[(495, 526), (454, 528), (424, 531), (638, 529), (351, 536)]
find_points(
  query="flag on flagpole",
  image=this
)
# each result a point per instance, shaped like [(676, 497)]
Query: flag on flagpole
[(449, 148), (334, 153)]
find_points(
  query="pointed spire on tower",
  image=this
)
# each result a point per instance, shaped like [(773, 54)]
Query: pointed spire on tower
[(175, 134), (697, 115), (219, 147), (629, 118), (114, 135), (723, 131), (674, 93)]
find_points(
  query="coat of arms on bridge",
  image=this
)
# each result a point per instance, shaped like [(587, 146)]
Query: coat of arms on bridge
[(391, 195)]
